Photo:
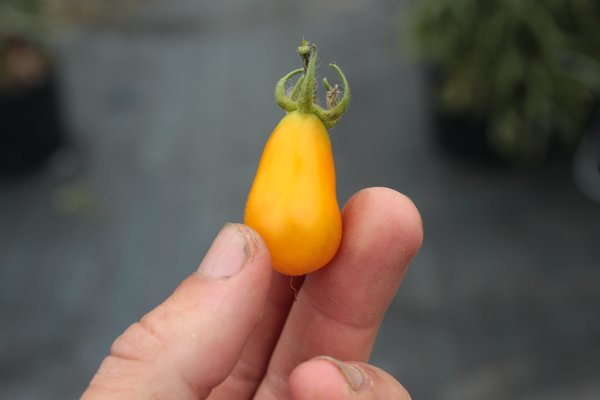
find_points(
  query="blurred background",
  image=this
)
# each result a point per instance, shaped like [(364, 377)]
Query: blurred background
[(130, 131)]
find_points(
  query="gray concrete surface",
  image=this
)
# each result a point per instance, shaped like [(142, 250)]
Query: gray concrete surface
[(169, 109)]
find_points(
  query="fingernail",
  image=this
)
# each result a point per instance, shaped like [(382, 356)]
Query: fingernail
[(352, 374), (227, 254)]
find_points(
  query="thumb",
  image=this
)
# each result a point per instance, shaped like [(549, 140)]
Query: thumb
[(190, 343), (328, 378)]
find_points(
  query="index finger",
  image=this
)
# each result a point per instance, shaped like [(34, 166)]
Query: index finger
[(340, 307)]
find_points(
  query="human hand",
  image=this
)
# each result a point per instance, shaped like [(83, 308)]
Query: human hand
[(232, 330)]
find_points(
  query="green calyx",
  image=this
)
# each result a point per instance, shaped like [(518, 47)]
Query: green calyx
[(302, 95)]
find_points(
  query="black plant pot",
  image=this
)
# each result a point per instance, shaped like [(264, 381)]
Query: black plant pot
[(31, 128), (464, 136), (458, 135)]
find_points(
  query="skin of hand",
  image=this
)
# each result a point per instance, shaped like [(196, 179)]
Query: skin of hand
[(232, 329)]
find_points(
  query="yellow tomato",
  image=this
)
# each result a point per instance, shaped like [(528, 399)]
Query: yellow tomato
[(293, 202)]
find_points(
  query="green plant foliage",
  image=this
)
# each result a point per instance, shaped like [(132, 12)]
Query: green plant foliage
[(26, 19), (531, 68)]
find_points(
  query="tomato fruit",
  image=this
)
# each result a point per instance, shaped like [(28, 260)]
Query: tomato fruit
[(293, 201)]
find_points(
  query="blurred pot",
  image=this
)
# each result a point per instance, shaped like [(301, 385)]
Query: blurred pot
[(31, 128), (457, 134)]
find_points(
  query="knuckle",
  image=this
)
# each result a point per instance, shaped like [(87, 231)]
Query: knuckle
[(138, 343)]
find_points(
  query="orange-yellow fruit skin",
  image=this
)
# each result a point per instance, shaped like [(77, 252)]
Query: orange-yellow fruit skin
[(293, 201)]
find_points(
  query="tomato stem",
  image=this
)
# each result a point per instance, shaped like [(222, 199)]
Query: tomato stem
[(302, 95), (306, 96)]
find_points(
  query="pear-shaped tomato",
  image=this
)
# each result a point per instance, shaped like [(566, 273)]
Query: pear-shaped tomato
[(293, 201)]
